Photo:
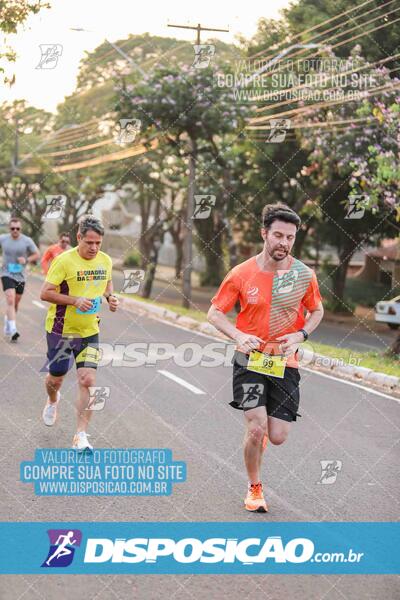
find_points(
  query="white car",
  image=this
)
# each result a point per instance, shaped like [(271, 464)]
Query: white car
[(388, 311)]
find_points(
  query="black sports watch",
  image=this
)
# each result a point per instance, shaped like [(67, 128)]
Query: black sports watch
[(305, 334)]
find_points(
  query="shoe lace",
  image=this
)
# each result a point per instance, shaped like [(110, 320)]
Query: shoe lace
[(256, 490)]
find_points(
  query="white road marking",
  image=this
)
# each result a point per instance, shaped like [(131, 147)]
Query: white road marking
[(38, 304), (358, 385), (182, 382)]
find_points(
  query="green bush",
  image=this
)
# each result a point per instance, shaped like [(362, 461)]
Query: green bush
[(132, 259), (345, 307)]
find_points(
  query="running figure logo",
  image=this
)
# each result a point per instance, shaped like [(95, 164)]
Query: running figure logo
[(203, 206), (279, 128), (329, 471), (251, 394), (50, 53), (55, 206), (97, 397), (132, 281), (63, 543), (355, 207), (203, 54), (64, 351), (127, 130)]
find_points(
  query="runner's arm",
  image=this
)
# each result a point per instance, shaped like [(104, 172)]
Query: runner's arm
[(34, 253), (314, 319), (109, 296), (45, 262), (219, 319), (291, 341), (49, 293)]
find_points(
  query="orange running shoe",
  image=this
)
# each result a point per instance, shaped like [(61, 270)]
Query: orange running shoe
[(254, 500)]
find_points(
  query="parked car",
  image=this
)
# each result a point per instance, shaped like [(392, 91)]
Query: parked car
[(388, 311)]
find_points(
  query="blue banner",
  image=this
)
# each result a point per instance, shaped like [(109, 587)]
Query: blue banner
[(199, 548)]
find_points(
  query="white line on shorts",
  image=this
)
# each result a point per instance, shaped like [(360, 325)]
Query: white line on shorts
[(38, 304), (185, 384)]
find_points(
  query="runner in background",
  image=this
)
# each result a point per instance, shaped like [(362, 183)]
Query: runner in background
[(63, 244), (275, 290), (18, 250)]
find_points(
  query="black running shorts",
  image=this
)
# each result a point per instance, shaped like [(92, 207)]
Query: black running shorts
[(62, 352), (280, 397), (10, 284)]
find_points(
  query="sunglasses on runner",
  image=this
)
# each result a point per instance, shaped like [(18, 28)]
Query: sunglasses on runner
[(15, 228)]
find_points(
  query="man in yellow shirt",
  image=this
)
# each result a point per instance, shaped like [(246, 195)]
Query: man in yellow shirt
[(75, 284)]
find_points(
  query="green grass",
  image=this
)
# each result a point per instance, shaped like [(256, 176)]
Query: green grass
[(370, 360), (198, 315)]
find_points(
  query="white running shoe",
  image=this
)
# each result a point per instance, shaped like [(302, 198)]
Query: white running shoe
[(49, 414), (81, 442)]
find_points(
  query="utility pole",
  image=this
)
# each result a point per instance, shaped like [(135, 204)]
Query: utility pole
[(198, 28), (188, 241)]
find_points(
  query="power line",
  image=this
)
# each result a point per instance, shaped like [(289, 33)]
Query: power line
[(322, 24), (307, 86), (316, 106), (279, 70), (97, 160)]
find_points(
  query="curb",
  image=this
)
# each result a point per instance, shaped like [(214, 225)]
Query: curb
[(308, 358)]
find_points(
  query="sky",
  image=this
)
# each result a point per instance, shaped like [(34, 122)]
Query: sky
[(114, 20)]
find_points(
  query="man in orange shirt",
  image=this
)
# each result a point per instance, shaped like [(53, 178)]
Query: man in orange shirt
[(64, 243), (275, 290)]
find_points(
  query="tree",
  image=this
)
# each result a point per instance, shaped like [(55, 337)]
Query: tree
[(23, 195), (335, 152), (13, 14), (188, 113), (376, 174)]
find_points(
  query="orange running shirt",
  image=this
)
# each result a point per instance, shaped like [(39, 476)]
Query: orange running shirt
[(49, 256), (271, 304)]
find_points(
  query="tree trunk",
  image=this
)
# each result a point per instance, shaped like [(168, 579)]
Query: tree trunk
[(340, 273), (154, 237), (300, 239), (150, 273), (395, 348), (212, 253)]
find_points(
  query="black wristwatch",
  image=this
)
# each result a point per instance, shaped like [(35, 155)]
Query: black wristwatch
[(305, 334), (108, 296)]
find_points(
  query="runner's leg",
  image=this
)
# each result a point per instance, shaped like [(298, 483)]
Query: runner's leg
[(86, 379), (256, 427), (278, 430), (17, 301), (10, 301), (53, 385)]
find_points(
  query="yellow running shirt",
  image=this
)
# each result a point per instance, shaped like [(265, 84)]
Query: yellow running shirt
[(76, 276)]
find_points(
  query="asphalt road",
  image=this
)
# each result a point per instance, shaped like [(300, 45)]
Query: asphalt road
[(360, 336), (149, 409)]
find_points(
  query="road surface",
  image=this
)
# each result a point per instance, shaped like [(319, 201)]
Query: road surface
[(150, 407)]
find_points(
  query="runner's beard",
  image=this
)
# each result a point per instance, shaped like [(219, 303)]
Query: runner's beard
[(272, 254)]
